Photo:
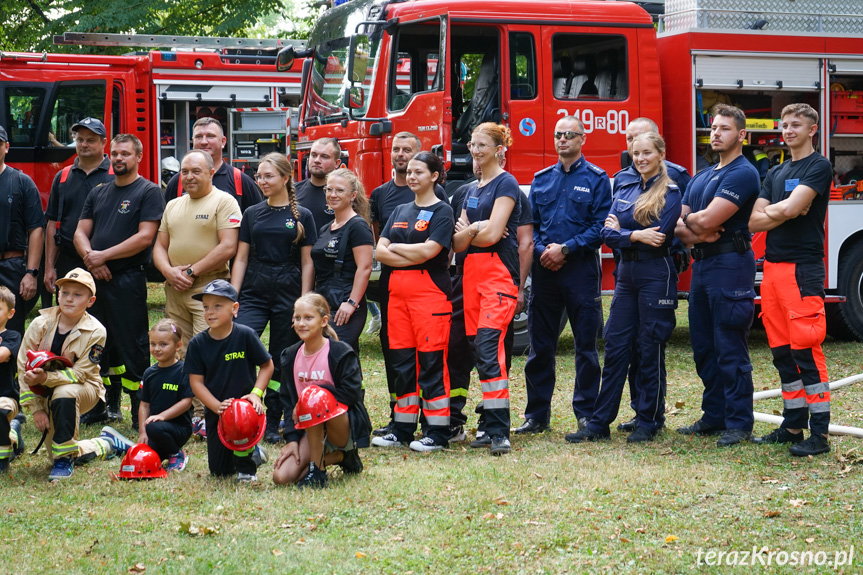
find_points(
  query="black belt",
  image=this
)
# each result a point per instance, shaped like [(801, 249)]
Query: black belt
[(716, 249), (635, 254)]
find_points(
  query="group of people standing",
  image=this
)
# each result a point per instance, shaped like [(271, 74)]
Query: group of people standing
[(319, 236)]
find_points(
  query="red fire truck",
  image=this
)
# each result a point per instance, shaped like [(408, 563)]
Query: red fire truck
[(155, 95), (438, 68)]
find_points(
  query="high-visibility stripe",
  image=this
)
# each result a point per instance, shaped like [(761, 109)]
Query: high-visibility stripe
[(818, 397), (106, 381), (131, 385), (442, 403), (503, 393), (817, 388), (246, 453), (5, 451), (393, 397), (793, 395), (65, 449), (439, 420), (495, 403), (117, 370), (494, 385), (71, 375), (103, 448), (458, 392), (27, 396), (274, 385), (405, 417), (408, 401)]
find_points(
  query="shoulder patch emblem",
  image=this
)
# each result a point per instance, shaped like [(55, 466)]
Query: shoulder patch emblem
[(95, 354)]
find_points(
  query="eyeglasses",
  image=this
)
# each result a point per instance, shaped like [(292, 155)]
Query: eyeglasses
[(479, 145), (332, 190), (567, 135), (263, 177)]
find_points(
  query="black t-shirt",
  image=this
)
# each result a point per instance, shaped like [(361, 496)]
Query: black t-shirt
[(314, 199), (117, 211), (165, 387), (229, 365), (736, 182), (801, 239), (224, 180), (326, 251), (11, 340), (457, 202), (413, 224), (20, 211), (271, 232), (386, 198), (67, 199), (58, 341), (478, 205)]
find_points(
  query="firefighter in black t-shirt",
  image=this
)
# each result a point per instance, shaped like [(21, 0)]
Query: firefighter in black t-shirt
[(71, 185), (791, 209), (21, 236), (414, 247), (207, 135), (115, 234), (324, 157)]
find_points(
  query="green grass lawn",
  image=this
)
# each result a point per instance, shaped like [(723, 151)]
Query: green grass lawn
[(548, 507)]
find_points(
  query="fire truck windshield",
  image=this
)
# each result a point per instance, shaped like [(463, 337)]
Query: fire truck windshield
[(329, 83)]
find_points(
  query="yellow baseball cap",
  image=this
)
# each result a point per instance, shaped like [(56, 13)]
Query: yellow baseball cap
[(81, 276)]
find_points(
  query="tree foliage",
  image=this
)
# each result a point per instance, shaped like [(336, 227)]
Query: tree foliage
[(29, 25)]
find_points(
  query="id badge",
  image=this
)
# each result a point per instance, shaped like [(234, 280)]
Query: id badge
[(425, 215), (791, 184), (473, 202)]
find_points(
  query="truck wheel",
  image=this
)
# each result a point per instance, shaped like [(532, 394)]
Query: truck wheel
[(851, 286), (836, 326), (521, 337)]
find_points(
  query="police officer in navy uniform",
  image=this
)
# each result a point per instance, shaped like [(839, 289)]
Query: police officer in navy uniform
[(679, 253), (324, 157), (21, 236), (382, 203), (570, 202), (208, 135), (71, 185), (114, 237), (715, 219)]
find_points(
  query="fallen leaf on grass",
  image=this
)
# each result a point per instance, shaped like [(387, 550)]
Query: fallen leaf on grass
[(501, 501), (397, 538), (671, 538), (197, 531), (624, 540), (137, 568), (277, 553), (641, 530), (360, 554), (810, 540), (769, 514), (537, 475), (798, 502), (679, 404)]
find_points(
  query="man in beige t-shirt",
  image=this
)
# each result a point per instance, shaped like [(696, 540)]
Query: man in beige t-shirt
[(197, 237)]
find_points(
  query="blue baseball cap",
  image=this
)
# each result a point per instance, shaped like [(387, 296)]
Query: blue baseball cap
[(221, 288), (3, 136), (95, 125)]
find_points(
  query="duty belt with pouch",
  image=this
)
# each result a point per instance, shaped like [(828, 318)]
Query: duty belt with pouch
[(635, 254), (740, 243)]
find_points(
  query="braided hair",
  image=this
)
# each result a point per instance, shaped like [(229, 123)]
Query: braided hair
[(281, 164)]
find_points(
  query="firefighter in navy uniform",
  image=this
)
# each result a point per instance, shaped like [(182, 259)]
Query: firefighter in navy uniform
[(715, 218), (570, 202), (791, 209), (679, 252), (414, 247), (207, 135), (118, 224), (324, 157), (21, 236), (71, 185)]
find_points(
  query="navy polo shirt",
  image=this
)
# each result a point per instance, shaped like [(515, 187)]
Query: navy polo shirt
[(623, 207), (67, 199), (569, 208)]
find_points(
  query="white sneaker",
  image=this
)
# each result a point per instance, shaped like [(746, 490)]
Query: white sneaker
[(388, 440), (425, 444), (246, 477), (374, 325)]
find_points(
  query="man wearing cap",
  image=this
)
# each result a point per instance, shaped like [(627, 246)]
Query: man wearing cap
[(21, 236), (69, 189), (207, 135), (56, 399), (118, 224)]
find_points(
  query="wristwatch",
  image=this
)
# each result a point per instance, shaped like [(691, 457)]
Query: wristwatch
[(564, 249), (686, 215), (352, 302), (191, 273), (34, 272)]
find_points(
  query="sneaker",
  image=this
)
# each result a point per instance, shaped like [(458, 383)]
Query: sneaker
[(586, 434), (246, 477), (199, 427), (374, 325), (62, 469), (780, 435), (178, 461), (18, 445), (272, 436), (457, 434), (733, 437), (388, 440), (483, 439), (385, 430), (500, 445), (259, 456), (815, 445), (642, 434), (120, 444), (316, 478), (351, 462), (700, 428), (628, 426), (426, 444)]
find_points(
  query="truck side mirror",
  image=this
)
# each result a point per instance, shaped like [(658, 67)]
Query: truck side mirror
[(285, 59), (356, 98)]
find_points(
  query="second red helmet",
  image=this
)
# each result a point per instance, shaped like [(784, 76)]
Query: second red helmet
[(317, 405)]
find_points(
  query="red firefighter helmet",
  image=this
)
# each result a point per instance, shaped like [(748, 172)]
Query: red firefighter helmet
[(316, 406), (141, 462), (48, 362), (240, 426)]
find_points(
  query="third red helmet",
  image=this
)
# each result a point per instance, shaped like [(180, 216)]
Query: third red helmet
[(240, 426), (317, 405), (141, 462)]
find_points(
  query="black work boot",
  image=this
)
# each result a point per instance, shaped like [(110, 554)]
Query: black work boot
[(113, 397), (136, 403), (96, 415)]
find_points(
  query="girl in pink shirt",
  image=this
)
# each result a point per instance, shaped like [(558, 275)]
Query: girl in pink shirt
[(320, 359)]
